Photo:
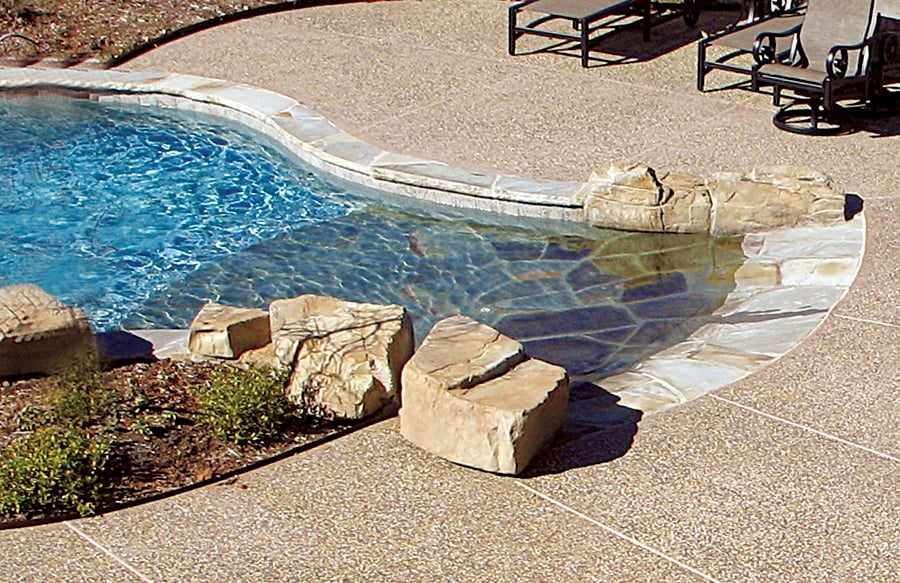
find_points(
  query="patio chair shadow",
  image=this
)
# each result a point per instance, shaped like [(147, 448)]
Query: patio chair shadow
[(884, 126)]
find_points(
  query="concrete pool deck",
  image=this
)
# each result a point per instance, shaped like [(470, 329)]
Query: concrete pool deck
[(787, 475)]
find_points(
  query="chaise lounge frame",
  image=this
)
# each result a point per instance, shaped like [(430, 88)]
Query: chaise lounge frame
[(738, 39), (584, 16)]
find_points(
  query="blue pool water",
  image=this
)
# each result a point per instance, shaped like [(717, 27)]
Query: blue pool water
[(106, 206), (141, 215)]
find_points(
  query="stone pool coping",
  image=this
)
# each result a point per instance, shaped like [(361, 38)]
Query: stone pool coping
[(790, 282)]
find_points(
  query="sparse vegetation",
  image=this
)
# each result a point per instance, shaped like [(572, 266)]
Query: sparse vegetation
[(90, 439), (79, 398), (244, 406), (100, 29)]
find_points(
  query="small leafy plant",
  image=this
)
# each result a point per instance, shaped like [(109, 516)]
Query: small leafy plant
[(80, 398), (51, 470), (244, 406)]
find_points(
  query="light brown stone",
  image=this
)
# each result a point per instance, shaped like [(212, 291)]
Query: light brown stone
[(688, 205), (38, 333), (264, 356), (221, 331), (635, 184), (773, 197), (460, 352), (638, 198), (471, 396), (346, 356)]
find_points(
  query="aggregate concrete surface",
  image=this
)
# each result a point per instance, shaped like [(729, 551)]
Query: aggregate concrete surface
[(790, 474)]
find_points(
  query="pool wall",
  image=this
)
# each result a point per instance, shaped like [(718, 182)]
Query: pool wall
[(790, 282)]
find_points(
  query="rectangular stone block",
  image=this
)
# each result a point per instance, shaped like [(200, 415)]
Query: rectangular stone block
[(469, 397), (38, 333), (220, 331)]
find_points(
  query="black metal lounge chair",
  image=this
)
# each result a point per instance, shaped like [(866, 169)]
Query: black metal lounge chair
[(837, 55), (584, 16), (737, 40)]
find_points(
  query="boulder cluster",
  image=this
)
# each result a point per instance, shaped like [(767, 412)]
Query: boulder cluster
[(469, 394)]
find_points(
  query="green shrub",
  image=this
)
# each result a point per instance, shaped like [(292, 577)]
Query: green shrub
[(244, 406), (79, 398), (52, 469)]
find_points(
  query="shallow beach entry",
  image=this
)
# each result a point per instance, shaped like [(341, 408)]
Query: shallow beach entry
[(140, 215)]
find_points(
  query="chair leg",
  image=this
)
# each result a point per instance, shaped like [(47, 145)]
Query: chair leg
[(809, 117), (814, 111), (690, 12), (701, 65), (647, 10), (512, 30), (585, 40)]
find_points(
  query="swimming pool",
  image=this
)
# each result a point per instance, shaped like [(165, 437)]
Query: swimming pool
[(140, 215)]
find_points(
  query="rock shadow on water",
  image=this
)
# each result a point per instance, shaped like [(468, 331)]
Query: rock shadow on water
[(598, 430)]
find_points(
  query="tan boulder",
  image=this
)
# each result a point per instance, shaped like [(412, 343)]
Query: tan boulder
[(221, 331), (781, 196), (38, 333), (471, 396), (460, 352), (346, 356), (636, 197)]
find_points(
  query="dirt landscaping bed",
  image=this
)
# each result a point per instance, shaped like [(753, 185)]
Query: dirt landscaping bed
[(150, 417)]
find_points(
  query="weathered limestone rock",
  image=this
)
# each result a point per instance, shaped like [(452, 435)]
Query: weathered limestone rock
[(773, 197), (227, 332), (346, 356), (262, 356), (634, 197), (471, 395), (38, 333), (637, 197)]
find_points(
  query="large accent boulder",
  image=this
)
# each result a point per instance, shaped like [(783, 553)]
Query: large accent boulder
[(346, 356), (635, 197), (472, 396), (779, 196), (638, 198), (38, 333), (221, 331)]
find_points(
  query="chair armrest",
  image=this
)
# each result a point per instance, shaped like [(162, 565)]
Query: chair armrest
[(765, 47), (838, 61), (784, 5)]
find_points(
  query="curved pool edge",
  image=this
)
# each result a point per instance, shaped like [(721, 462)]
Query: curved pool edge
[(789, 284), (317, 141)]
